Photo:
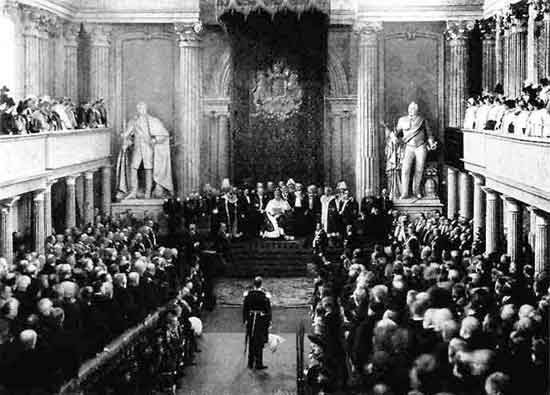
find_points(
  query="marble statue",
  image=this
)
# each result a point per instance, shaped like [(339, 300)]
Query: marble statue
[(149, 142), (417, 139), (394, 158)]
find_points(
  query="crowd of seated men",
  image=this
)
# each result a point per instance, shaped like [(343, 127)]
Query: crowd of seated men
[(65, 306), (43, 114), (527, 115), (428, 313), (283, 210)]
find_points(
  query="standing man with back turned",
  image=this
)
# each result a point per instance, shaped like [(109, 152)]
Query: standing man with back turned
[(257, 318)]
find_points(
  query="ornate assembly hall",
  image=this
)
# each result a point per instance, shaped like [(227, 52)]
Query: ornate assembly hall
[(275, 197)]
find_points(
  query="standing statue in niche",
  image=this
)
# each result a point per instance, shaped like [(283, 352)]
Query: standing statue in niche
[(417, 139), (150, 145)]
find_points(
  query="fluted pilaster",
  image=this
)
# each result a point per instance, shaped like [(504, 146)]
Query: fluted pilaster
[(498, 49), (457, 38), (506, 61), (71, 61), (488, 67), (99, 60), (88, 198), (531, 43), (546, 44), (542, 245), (514, 210), (32, 35), (479, 204), (517, 67), (452, 192), (493, 222), (188, 110), (38, 222), (6, 238), (367, 172), (70, 202), (223, 147), (106, 193)]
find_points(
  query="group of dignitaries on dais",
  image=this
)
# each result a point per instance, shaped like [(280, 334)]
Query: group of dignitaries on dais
[(286, 210), (60, 308), (526, 115), (45, 114)]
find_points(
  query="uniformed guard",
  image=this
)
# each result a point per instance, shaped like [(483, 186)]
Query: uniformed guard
[(257, 318)]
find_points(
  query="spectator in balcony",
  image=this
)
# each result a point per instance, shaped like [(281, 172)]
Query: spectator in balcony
[(507, 124), (522, 118), (471, 113), (482, 114)]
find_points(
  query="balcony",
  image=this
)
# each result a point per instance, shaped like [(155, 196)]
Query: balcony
[(29, 161), (512, 164)]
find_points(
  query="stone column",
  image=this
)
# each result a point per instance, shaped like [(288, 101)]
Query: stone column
[(465, 196), (367, 162), (79, 193), (518, 73), (6, 238), (188, 112), (70, 202), (336, 149), (531, 51), (452, 191), (32, 34), (223, 147), (506, 61), (457, 35), (38, 222), (71, 61), (479, 204), (542, 245), (493, 221), (99, 60), (488, 58), (88, 198), (106, 194), (498, 49), (546, 42), (532, 227), (48, 209), (514, 239)]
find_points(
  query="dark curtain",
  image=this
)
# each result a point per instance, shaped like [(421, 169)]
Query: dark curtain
[(267, 146)]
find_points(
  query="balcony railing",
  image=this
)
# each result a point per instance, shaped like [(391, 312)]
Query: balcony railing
[(30, 156), (513, 163)]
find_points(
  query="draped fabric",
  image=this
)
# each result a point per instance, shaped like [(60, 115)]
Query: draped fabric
[(277, 96)]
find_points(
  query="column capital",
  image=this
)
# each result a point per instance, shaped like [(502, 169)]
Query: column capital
[(39, 23), (451, 169), (491, 193), (188, 33), (71, 180), (100, 34), (9, 203), (89, 175), (70, 32), (487, 28), (457, 32), (512, 204), (367, 32), (9, 8), (478, 178), (38, 196), (542, 218)]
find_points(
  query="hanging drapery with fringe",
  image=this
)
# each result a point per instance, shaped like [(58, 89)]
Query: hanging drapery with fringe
[(271, 7)]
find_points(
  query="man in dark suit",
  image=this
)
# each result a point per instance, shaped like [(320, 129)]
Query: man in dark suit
[(257, 318), (257, 210)]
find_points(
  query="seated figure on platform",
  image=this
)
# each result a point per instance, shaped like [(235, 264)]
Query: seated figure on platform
[(150, 143), (275, 212)]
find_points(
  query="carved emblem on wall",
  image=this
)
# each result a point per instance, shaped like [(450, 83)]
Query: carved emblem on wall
[(276, 92)]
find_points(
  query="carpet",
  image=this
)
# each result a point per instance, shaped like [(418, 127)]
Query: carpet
[(285, 292)]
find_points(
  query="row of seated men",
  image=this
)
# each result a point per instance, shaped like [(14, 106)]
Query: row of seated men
[(43, 114), (527, 115), (60, 308)]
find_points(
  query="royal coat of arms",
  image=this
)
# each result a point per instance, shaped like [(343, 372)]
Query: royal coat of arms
[(276, 92)]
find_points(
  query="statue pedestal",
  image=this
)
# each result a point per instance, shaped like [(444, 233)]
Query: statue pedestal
[(139, 207), (413, 207)]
